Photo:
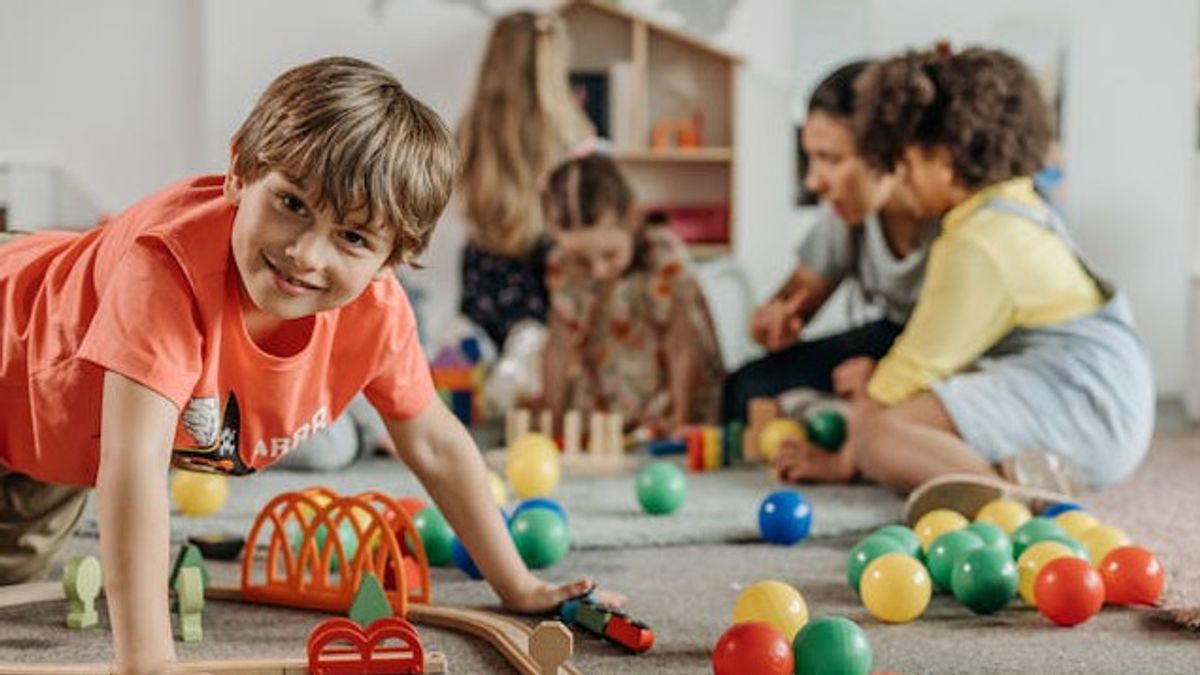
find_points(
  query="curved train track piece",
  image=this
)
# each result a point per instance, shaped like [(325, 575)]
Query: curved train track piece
[(508, 636)]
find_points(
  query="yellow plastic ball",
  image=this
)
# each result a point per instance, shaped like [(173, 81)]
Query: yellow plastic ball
[(1005, 514), (774, 602), (1075, 523), (1031, 562), (1101, 539), (199, 494), (936, 523), (895, 588), (774, 433), (533, 467), (499, 492)]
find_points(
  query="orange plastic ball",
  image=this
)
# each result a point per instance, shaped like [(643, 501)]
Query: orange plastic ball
[(1069, 591), (1132, 576)]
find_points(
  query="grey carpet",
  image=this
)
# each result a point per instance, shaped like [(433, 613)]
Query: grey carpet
[(603, 512), (687, 592)]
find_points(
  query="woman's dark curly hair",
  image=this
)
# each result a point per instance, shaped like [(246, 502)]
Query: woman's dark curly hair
[(981, 104)]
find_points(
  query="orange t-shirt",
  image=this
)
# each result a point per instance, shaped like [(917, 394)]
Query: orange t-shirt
[(153, 294)]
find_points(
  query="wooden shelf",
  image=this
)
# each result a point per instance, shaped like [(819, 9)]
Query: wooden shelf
[(675, 155)]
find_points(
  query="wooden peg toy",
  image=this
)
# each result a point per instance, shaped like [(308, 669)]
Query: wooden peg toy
[(81, 583), (189, 590), (550, 645)]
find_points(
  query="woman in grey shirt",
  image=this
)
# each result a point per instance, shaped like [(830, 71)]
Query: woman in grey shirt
[(867, 234)]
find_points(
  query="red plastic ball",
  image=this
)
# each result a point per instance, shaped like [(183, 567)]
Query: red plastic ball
[(753, 647), (1068, 591), (1132, 576)]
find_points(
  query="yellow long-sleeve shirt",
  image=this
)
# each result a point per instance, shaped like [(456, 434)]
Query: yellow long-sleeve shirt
[(988, 272)]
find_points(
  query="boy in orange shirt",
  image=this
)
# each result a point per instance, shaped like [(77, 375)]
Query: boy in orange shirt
[(219, 323)]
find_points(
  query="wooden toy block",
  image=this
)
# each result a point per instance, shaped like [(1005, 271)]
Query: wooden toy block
[(189, 591), (596, 433), (734, 434), (81, 584), (546, 422), (338, 646), (572, 432), (760, 411), (550, 645), (370, 602), (713, 452), (516, 423), (614, 434), (695, 448)]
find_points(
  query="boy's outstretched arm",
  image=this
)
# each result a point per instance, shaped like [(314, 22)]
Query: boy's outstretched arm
[(137, 426), (438, 449)]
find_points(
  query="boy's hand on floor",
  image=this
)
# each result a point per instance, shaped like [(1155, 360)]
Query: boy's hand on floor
[(545, 597)]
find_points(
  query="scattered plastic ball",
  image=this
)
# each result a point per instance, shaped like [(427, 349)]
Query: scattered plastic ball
[(346, 535), (538, 503), (1076, 547), (904, 535), (1132, 576), (1101, 539), (199, 494), (945, 553), (540, 536), (784, 517), (753, 647), (832, 645), (1005, 514), (661, 488), (533, 465), (936, 523), (827, 430), (1075, 523), (985, 580), (1069, 591), (775, 603), (1034, 531), (1055, 510), (992, 536), (436, 535), (895, 588), (1031, 562), (499, 492), (867, 550), (777, 432), (463, 559)]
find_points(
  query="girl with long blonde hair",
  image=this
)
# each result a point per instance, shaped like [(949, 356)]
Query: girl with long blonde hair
[(522, 120)]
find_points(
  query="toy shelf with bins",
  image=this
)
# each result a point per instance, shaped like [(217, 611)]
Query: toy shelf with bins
[(670, 112)]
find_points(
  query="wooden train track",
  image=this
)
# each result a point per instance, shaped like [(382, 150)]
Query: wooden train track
[(508, 636)]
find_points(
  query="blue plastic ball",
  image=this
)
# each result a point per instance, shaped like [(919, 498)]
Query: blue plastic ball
[(463, 560), (539, 503), (1061, 507), (784, 517)]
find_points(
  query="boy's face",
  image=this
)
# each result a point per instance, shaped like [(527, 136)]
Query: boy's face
[(295, 261), (837, 174)]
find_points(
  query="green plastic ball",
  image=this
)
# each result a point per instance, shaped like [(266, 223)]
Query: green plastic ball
[(985, 580), (866, 550), (349, 543), (827, 429), (907, 538), (832, 645), (945, 552), (1033, 531), (436, 535), (661, 488), (993, 537), (540, 536)]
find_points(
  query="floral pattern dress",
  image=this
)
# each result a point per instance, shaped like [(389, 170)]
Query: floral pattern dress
[(618, 360)]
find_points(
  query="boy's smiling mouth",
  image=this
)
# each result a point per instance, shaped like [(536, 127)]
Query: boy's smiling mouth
[(286, 282)]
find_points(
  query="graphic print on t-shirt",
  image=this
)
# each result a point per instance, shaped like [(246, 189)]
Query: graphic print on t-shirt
[(216, 448)]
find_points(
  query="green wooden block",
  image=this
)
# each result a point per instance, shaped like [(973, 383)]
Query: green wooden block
[(189, 591), (189, 556), (81, 584), (592, 617), (370, 602), (734, 433)]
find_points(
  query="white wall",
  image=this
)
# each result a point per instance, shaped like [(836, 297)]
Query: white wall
[(107, 91)]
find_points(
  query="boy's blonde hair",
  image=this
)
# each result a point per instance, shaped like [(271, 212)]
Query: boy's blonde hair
[(348, 131), (521, 120)]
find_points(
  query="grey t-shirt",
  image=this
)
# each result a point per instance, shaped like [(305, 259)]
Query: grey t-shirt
[(835, 251)]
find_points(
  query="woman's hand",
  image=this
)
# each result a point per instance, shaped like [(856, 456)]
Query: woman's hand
[(777, 324)]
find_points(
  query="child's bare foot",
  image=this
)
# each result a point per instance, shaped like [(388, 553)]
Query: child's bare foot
[(804, 462)]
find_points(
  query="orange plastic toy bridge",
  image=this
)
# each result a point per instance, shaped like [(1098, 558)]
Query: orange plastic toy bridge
[(290, 561)]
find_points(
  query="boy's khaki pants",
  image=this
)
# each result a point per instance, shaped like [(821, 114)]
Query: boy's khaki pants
[(35, 520)]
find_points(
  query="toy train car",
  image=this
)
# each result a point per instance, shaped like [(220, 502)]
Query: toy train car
[(614, 626)]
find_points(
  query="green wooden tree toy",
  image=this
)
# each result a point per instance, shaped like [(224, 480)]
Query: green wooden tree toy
[(81, 583), (370, 602), (189, 592)]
